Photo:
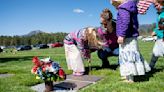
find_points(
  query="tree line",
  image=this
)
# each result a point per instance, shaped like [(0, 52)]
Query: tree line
[(40, 38), (44, 38)]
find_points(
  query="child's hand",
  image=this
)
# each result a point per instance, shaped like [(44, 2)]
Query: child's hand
[(153, 34), (120, 40)]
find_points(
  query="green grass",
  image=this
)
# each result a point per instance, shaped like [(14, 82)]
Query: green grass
[(20, 65)]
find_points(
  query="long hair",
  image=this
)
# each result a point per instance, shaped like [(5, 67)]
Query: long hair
[(91, 38), (107, 16)]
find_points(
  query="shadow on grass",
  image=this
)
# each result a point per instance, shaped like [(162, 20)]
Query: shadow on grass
[(141, 78), (148, 75), (113, 67), (10, 59)]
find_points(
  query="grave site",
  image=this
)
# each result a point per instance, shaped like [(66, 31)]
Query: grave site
[(16, 76)]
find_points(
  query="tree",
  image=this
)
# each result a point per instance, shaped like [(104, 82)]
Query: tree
[(32, 39)]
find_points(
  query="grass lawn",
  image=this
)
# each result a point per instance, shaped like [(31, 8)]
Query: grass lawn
[(20, 65)]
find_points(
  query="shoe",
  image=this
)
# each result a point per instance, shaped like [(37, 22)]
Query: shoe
[(105, 64), (78, 73)]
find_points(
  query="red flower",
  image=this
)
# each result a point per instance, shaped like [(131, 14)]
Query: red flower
[(62, 73), (37, 62), (34, 69)]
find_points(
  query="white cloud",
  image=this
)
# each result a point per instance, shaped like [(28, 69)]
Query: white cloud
[(78, 10)]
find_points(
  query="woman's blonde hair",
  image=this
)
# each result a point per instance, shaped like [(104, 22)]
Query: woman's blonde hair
[(91, 38)]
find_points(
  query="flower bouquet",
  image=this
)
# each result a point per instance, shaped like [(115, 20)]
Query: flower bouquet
[(48, 71)]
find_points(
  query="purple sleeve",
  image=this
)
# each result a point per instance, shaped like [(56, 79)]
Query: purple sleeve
[(123, 21)]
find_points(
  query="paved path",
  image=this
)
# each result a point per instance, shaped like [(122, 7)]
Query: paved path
[(5, 75)]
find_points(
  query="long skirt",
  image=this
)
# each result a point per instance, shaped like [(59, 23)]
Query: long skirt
[(158, 49), (130, 59), (73, 58)]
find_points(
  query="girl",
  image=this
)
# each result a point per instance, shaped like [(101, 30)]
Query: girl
[(158, 49), (78, 45), (107, 32), (130, 59)]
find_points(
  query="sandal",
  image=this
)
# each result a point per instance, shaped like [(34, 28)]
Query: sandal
[(78, 73)]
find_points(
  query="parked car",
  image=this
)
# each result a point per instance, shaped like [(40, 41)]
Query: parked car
[(57, 44), (3, 47), (149, 38), (21, 48), (41, 46)]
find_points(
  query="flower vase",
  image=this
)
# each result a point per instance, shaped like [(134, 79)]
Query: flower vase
[(48, 86)]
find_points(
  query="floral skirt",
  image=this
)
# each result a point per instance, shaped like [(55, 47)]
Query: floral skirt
[(130, 59), (73, 58), (158, 49)]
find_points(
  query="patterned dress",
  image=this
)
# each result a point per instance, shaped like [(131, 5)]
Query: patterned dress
[(130, 59)]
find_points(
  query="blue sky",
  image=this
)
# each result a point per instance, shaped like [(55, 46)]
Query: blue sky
[(19, 17)]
